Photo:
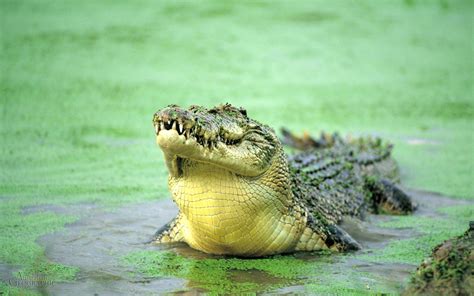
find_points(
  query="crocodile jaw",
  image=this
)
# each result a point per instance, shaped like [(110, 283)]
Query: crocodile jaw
[(240, 159), (175, 147)]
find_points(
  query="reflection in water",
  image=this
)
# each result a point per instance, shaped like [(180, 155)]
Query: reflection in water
[(109, 249)]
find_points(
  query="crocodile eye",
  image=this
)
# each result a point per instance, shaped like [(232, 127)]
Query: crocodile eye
[(243, 111)]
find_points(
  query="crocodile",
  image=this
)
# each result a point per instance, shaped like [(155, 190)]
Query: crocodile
[(240, 194)]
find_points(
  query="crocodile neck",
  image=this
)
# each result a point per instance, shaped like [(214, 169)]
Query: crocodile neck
[(226, 213)]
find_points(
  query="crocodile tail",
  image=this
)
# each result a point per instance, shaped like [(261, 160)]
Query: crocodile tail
[(308, 142), (368, 148)]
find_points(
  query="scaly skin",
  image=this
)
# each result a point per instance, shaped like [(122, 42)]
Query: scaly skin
[(239, 194)]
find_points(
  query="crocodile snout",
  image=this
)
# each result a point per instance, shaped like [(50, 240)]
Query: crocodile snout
[(173, 117)]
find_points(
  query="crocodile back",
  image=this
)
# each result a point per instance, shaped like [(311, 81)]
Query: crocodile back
[(330, 180)]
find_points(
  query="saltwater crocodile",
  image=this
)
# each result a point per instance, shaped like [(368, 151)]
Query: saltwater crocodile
[(238, 193)]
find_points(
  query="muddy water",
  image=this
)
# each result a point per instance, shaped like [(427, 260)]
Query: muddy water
[(97, 242)]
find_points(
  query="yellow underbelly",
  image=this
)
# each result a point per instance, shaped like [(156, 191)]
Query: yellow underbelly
[(223, 214)]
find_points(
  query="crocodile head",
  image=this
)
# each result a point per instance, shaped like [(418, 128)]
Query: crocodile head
[(222, 136)]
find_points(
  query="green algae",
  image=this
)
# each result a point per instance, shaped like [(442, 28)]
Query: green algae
[(215, 275), (221, 275), (346, 279), (79, 84), (351, 284), (8, 290), (49, 271), (432, 232), (431, 157), (18, 246), (459, 212), (447, 271), (20, 231)]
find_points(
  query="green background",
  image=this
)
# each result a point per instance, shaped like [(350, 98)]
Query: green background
[(80, 81)]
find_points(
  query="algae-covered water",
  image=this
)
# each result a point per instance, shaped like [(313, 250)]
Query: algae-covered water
[(82, 184), (114, 256)]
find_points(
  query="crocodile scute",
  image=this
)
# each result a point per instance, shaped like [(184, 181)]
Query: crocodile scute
[(239, 193)]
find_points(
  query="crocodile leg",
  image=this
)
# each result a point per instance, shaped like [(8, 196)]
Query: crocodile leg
[(318, 237), (387, 197), (171, 232)]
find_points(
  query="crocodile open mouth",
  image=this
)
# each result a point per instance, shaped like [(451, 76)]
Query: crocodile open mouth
[(191, 131), (222, 137)]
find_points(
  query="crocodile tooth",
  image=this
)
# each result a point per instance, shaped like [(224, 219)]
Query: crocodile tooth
[(174, 125), (157, 129), (180, 128), (188, 131), (162, 125)]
